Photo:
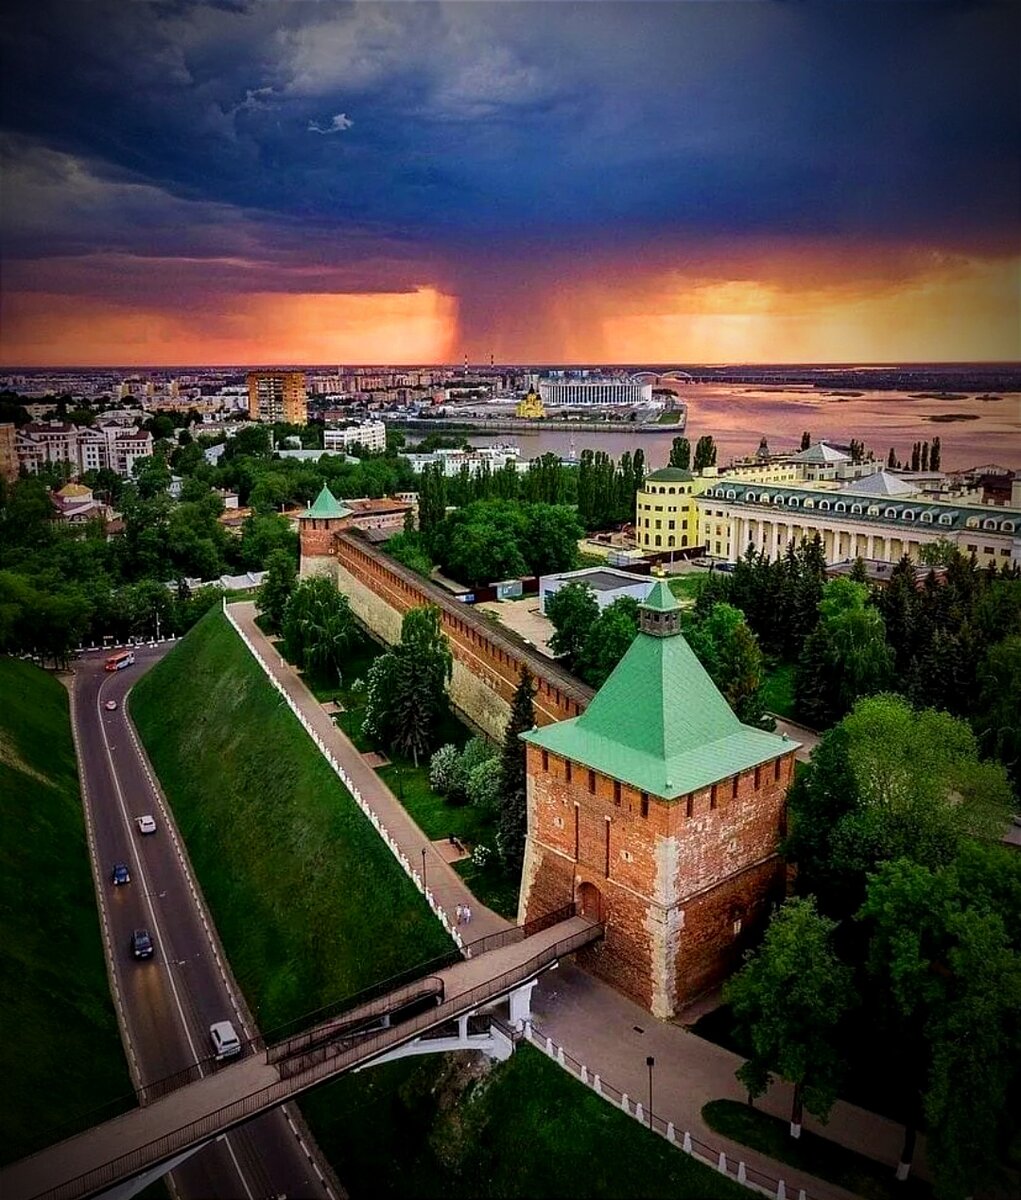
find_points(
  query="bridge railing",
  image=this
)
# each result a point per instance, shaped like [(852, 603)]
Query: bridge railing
[(517, 933), (211, 1125), (336, 1030)]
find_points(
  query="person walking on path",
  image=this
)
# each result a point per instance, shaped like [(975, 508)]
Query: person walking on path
[(466, 913), (458, 914)]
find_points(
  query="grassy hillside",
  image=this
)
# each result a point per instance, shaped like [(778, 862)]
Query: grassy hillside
[(60, 1054), (434, 1127), (308, 900)]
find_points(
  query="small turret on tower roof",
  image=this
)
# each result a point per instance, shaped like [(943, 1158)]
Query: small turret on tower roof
[(326, 507)]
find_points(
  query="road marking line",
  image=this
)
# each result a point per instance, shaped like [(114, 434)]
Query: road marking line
[(99, 884), (145, 883), (241, 1175)]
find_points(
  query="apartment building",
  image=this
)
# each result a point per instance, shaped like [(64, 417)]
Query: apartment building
[(83, 448), (278, 396), (369, 434)]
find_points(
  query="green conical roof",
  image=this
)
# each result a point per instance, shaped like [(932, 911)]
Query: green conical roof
[(661, 598), (326, 506), (659, 722)]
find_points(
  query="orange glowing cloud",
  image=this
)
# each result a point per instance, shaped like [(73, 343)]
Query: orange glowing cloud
[(44, 329), (967, 312)]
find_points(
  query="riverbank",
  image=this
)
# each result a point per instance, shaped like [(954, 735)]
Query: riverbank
[(530, 428)]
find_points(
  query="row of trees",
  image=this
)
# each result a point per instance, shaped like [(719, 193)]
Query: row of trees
[(606, 489), (547, 481), (680, 454), (897, 967), (593, 642)]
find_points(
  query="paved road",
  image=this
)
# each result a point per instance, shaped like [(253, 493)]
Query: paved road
[(165, 1005)]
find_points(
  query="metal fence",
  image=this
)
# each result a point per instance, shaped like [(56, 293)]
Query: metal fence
[(710, 1156)]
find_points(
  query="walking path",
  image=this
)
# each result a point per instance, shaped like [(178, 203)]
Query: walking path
[(443, 881), (610, 1034)]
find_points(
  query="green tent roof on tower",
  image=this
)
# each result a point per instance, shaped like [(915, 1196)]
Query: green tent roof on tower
[(659, 723), (326, 506)]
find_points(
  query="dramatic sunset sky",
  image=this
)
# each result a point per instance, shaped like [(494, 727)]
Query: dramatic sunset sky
[(303, 181)]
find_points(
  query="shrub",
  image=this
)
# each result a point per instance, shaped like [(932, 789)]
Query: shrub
[(484, 785), (476, 752), (444, 769)]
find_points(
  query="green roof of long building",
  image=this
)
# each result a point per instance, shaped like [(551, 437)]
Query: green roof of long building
[(659, 723)]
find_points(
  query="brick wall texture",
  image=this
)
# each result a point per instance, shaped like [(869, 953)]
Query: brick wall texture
[(487, 661), (682, 886)]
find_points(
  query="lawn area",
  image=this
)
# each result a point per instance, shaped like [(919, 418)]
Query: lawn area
[(812, 1153), (686, 587), (778, 690), (61, 1055), (433, 814), (299, 882), (526, 1130), (670, 417)]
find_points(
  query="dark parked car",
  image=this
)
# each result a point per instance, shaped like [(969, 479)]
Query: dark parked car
[(141, 944), (120, 874)]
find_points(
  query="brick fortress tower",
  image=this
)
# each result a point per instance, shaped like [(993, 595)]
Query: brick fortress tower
[(316, 527), (660, 814)]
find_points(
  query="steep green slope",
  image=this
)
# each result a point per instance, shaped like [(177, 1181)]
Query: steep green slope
[(60, 1053), (309, 902)]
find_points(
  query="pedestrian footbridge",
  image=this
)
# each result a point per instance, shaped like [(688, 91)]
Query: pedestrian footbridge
[(436, 1012)]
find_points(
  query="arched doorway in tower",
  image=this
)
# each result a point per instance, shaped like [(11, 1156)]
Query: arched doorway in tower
[(590, 902)]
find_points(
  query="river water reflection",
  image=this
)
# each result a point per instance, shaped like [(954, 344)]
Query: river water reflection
[(739, 415)]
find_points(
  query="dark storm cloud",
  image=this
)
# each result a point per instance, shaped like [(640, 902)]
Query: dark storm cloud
[(193, 128)]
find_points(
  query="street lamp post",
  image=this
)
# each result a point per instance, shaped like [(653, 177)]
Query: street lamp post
[(650, 1062), (423, 867)]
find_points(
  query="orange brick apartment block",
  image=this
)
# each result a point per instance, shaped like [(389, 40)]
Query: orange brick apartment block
[(661, 815), (278, 396)]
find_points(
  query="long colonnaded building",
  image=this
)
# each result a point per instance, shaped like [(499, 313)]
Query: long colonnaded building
[(871, 518), (661, 815)]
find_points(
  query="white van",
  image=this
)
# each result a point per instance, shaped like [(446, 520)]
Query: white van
[(225, 1040)]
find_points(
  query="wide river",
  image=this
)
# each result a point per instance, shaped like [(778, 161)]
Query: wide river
[(738, 415)]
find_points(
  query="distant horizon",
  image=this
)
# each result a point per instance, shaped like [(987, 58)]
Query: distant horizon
[(579, 365)]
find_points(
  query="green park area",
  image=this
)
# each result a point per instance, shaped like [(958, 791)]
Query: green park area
[(61, 1055), (811, 1153), (311, 906)]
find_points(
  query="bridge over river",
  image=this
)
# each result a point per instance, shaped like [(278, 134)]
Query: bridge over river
[(120, 1156)]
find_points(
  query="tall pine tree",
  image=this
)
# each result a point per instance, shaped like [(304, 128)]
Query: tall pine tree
[(513, 814)]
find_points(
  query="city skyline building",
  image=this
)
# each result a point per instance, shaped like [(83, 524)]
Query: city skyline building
[(278, 396)]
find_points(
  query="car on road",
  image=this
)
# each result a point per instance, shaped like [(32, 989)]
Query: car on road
[(120, 874), (141, 944), (226, 1043), (146, 824), (110, 705)]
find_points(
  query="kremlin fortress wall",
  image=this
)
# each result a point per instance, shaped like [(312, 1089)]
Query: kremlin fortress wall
[(487, 659), (684, 883)]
